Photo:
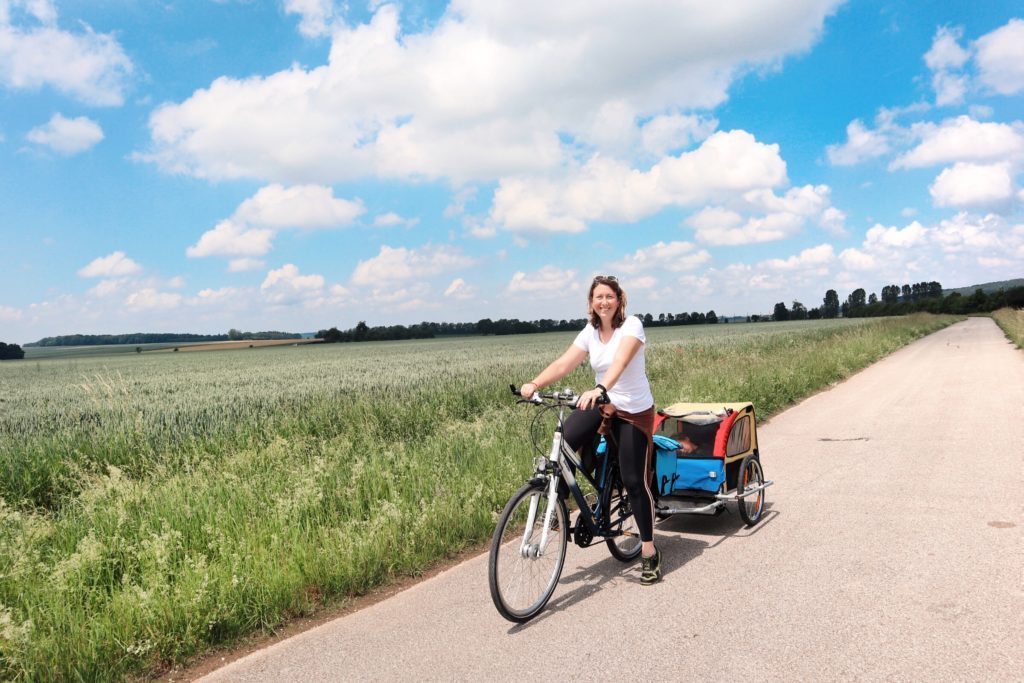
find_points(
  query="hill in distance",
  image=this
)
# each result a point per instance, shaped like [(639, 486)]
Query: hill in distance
[(987, 287)]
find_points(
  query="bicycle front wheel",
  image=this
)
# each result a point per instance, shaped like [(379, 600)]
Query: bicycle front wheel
[(524, 566)]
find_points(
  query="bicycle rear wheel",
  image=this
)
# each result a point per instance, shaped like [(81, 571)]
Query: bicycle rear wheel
[(522, 575), (626, 546)]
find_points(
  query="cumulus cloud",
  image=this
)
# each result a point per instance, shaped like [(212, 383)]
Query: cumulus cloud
[(286, 285), (548, 282), (962, 139), (946, 59), (399, 264), (605, 189), (392, 219), (861, 145), (230, 239), (251, 229), (973, 185), (812, 258), (316, 16), (671, 132), (1000, 58), (152, 300), (671, 256), (67, 136), (458, 289), (10, 314), (493, 89), (113, 265), (35, 53)]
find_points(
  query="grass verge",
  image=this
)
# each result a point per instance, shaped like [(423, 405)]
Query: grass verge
[(1011, 320)]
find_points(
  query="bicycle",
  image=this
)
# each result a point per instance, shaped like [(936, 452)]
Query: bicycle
[(529, 544)]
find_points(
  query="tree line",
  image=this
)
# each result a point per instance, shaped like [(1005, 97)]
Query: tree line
[(898, 300), (504, 326), (156, 338)]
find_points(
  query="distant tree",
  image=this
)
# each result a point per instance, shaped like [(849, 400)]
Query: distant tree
[(872, 299), (814, 314), (799, 311), (11, 352), (485, 326), (891, 294), (781, 312), (934, 290), (830, 309), (906, 292), (648, 319), (711, 318), (234, 335), (361, 331)]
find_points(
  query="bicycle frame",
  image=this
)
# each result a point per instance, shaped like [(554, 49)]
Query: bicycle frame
[(559, 466)]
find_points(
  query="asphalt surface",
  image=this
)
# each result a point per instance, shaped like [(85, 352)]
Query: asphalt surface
[(891, 549)]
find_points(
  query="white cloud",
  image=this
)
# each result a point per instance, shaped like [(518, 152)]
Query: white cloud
[(672, 256), (113, 265), (229, 239), (965, 232), (10, 314), (670, 132), (768, 228), (548, 282), (105, 288), (967, 185), (946, 52), (882, 237), (963, 139), (945, 58), (398, 264), (315, 16), (1000, 58), (287, 285), (150, 299), (604, 189), (458, 289), (392, 219), (34, 53), (861, 145), (251, 228), (299, 206), (240, 265), (855, 259), (812, 258), (67, 136), (494, 88)]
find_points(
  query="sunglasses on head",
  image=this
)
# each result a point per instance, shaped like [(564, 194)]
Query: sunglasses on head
[(610, 278)]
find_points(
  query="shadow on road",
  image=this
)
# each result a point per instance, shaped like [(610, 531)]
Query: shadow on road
[(677, 552)]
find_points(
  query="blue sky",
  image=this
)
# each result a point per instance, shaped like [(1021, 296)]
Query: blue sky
[(297, 164)]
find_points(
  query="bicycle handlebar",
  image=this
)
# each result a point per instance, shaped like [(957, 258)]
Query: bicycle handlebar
[(565, 396)]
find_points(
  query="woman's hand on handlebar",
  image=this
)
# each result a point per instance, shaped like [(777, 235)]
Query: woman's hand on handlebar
[(527, 390), (589, 399)]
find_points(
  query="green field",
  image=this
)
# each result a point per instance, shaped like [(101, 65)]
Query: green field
[(1012, 323), (153, 505)]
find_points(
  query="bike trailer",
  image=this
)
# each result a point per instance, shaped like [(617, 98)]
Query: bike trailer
[(719, 435)]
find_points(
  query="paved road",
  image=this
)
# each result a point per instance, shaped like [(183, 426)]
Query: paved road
[(892, 549)]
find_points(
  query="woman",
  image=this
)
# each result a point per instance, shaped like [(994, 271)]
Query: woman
[(615, 346)]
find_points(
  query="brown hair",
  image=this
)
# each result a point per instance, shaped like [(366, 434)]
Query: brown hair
[(620, 314)]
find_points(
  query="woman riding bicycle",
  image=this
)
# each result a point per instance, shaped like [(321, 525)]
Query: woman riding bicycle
[(615, 346)]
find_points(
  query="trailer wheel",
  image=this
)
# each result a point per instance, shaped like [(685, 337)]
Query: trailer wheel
[(750, 475)]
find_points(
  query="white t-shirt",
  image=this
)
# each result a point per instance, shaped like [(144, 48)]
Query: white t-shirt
[(632, 392)]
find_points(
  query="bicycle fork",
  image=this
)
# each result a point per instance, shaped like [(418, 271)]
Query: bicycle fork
[(553, 465)]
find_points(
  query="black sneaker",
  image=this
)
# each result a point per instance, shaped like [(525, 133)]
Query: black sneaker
[(650, 568)]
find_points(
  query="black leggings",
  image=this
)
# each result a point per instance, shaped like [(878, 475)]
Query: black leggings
[(580, 431)]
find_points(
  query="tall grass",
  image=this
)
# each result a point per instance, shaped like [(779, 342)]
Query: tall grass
[(150, 507), (1011, 320)]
